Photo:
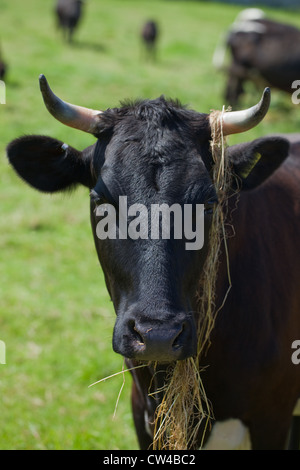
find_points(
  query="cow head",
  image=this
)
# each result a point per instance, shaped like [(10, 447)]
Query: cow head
[(150, 153)]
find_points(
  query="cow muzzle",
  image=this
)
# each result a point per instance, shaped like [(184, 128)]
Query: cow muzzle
[(162, 341)]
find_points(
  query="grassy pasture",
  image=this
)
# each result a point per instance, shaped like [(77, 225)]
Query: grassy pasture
[(55, 315)]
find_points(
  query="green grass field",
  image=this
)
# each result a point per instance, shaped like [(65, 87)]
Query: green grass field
[(55, 315)]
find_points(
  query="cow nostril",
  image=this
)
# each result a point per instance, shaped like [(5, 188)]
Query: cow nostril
[(178, 341), (182, 337), (137, 336)]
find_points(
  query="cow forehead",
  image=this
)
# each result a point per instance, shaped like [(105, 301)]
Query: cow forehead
[(178, 179), (155, 123), (155, 146), (161, 148), (156, 141)]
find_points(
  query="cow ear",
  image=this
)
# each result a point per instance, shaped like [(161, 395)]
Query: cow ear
[(253, 162), (48, 164)]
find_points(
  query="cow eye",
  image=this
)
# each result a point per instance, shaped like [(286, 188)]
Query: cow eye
[(209, 206)]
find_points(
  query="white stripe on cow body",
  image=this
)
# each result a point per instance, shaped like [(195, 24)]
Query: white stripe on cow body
[(250, 14), (229, 435), (246, 21)]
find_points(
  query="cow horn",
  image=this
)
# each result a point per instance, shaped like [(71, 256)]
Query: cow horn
[(241, 121), (84, 119)]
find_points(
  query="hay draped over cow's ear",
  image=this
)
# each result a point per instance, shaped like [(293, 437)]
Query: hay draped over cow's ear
[(184, 414)]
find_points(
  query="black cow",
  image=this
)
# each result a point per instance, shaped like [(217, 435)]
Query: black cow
[(68, 14), (158, 152), (149, 35), (262, 51), (3, 67)]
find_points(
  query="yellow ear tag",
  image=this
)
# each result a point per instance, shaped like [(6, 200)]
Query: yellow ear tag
[(248, 168)]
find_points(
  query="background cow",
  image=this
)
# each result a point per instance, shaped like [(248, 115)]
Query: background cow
[(68, 14), (149, 35), (2, 70), (3, 66), (159, 152), (262, 51)]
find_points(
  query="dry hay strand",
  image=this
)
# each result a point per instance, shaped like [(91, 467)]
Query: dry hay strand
[(185, 412), (178, 420)]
